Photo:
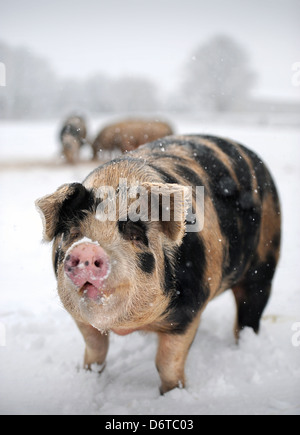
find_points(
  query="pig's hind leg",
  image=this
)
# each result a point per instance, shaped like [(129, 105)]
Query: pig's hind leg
[(252, 294), (96, 347)]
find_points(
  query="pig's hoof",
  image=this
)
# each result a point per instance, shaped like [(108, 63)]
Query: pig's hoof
[(95, 367), (169, 387)]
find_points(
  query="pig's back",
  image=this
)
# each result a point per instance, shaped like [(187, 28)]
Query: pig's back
[(236, 182)]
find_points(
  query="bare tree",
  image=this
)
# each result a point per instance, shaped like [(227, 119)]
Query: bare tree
[(30, 84), (218, 76), (33, 90)]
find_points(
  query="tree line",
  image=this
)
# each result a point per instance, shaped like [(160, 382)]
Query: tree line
[(217, 77)]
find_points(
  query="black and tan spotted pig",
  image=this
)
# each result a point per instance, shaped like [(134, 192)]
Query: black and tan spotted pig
[(154, 276)]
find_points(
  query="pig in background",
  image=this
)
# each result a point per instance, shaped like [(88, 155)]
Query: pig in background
[(152, 275), (72, 137), (128, 135)]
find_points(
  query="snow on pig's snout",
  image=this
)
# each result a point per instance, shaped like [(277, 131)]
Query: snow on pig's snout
[(87, 265)]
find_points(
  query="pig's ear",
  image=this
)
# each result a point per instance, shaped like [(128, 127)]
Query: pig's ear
[(167, 205), (55, 208)]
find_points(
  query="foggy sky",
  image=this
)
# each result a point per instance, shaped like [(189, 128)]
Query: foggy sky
[(155, 38)]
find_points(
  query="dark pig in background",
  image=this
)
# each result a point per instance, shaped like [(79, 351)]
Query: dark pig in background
[(129, 135), (124, 275), (72, 138)]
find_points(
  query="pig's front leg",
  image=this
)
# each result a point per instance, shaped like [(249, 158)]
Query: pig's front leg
[(96, 346), (171, 357)]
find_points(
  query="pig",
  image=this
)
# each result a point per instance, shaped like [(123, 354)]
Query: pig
[(129, 135), (73, 137), (122, 275)]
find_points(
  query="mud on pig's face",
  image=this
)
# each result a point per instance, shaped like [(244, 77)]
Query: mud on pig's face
[(110, 273)]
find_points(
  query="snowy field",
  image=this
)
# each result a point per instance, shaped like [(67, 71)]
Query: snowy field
[(41, 350)]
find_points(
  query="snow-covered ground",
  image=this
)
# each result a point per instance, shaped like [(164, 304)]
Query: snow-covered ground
[(41, 350)]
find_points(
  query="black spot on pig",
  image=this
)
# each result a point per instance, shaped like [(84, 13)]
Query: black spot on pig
[(185, 279), (146, 262), (70, 129), (165, 176), (134, 231), (227, 187), (74, 208)]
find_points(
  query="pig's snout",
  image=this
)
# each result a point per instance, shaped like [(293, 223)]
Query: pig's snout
[(87, 263)]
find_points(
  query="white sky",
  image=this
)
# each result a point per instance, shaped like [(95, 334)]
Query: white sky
[(156, 38)]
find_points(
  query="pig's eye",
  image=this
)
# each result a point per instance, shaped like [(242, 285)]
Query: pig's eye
[(74, 234), (135, 232)]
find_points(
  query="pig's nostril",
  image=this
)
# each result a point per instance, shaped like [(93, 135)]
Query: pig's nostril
[(98, 263), (72, 261), (75, 262)]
